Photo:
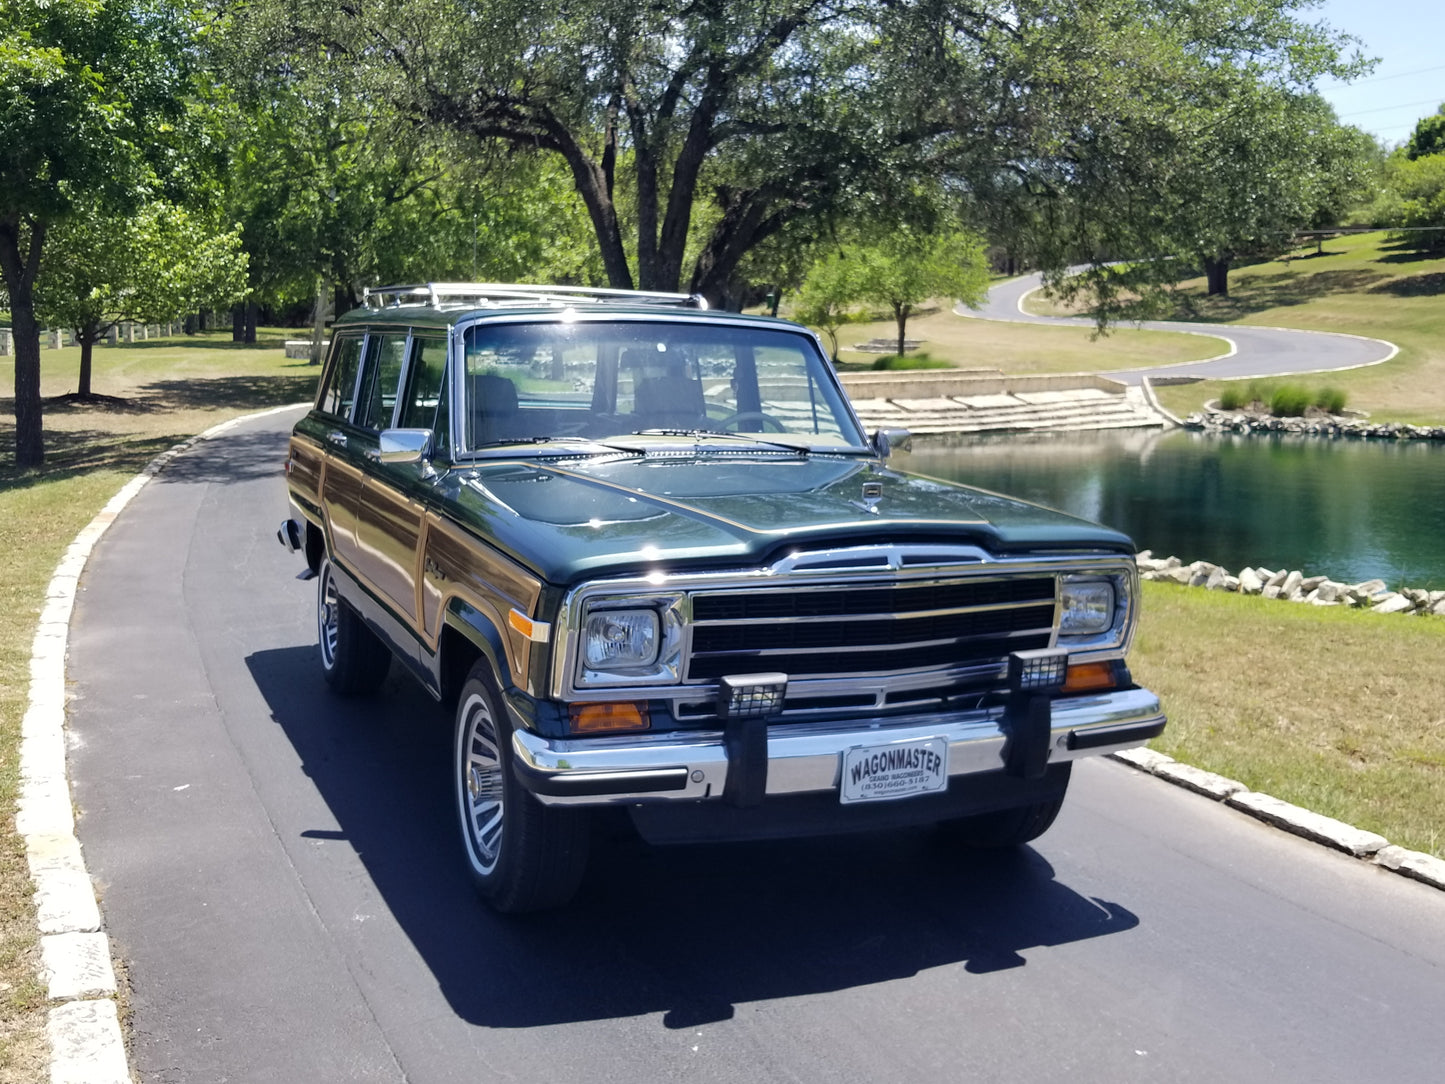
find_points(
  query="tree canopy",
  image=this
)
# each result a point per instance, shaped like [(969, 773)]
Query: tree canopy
[(95, 108)]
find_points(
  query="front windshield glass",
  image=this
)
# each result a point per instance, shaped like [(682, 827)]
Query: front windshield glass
[(604, 380)]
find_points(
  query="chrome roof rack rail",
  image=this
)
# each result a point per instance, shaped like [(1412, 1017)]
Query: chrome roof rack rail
[(438, 294)]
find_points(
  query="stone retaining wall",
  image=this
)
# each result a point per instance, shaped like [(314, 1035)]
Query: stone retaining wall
[(1293, 586), (1220, 421)]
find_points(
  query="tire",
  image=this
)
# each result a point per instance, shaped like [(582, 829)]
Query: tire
[(522, 855), (1009, 827), (354, 660)]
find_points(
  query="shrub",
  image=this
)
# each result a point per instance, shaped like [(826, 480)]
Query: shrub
[(1289, 401), (1232, 398), (1330, 400)]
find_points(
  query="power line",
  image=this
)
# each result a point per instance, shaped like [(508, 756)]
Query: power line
[(1386, 78), (1386, 108)]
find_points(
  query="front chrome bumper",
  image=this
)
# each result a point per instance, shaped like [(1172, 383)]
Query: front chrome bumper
[(807, 757)]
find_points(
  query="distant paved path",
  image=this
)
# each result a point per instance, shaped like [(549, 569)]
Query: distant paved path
[(1245, 351)]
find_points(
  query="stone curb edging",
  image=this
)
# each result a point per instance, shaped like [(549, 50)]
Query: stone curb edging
[(1292, 586), (86, 1044), (1373, 848)]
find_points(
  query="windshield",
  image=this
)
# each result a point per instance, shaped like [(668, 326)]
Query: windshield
[(649, 382)]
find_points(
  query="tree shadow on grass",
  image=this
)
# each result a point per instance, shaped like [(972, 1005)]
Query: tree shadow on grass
[(230, 392), (70, 453), (1430, 284)]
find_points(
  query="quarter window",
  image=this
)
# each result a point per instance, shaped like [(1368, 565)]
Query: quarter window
[(339, 391)]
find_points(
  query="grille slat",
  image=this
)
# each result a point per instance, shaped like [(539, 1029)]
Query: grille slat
[(830, 631)]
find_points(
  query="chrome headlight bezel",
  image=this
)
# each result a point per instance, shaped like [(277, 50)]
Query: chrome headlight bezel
[(662, 666), (1109, 597)]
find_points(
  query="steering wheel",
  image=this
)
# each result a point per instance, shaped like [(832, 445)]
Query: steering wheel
[(736, 420)]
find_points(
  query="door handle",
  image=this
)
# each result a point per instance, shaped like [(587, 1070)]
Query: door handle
[(336, 436)]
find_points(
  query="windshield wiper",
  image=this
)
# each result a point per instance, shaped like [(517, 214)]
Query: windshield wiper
[(571, 442), (751, 438)]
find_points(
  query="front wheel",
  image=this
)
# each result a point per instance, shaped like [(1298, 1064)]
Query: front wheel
[(1010, 827), (522, 855), (353, 658)]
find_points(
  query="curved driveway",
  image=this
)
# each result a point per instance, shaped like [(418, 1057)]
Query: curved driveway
[(281, 877), (1246, 351)]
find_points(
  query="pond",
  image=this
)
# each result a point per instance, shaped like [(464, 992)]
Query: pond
[(1349, 509)]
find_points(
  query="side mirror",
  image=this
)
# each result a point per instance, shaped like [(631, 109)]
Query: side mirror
[(404, 445), (886, 441)]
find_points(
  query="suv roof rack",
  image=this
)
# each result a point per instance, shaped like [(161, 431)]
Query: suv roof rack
[(437, 294)]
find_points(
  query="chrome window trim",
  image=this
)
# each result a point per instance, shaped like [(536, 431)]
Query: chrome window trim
[(679, 319)]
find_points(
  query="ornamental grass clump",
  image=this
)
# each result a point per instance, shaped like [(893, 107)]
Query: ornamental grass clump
[(1289, 401)]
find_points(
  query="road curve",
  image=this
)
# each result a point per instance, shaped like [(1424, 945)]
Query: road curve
[(1246, 351), (281, 877)]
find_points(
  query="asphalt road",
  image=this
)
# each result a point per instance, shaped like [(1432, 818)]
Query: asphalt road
[(1245, 351), (281, 878)]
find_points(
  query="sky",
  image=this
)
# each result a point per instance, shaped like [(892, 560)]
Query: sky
[(1408, 82)]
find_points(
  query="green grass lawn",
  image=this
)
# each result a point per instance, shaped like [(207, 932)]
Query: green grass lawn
[(1363, 284), (970, 343), (1336, 710)]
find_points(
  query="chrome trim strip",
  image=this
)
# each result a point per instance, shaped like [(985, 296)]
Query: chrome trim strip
[(811, 570), (900, 615), (807, 757)]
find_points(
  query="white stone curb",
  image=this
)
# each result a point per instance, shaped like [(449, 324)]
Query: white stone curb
[(1292, 818), (86, 1044)]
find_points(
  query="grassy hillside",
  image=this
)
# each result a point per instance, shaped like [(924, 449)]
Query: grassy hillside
[(1359, 285), (969, 343)]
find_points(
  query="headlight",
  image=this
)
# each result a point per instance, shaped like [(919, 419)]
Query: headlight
[(621, 640), (1088, 607)]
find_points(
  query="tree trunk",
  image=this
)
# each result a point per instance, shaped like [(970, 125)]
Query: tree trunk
[(238, 323), (19, 270), (900, 314), (86, 337), (1216, 275), (252, 312)]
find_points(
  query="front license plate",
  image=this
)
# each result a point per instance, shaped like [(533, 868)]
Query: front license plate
[(905, 769)]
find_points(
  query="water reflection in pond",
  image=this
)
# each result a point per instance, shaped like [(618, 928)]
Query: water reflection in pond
[(1349, 509)]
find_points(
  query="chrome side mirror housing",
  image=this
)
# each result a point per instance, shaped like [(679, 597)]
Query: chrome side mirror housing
[(405, 445), (886, 441)]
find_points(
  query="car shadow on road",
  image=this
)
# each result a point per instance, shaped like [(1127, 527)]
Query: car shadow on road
[(690, 932)]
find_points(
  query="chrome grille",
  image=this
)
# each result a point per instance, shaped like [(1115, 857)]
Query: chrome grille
[(869, 629)]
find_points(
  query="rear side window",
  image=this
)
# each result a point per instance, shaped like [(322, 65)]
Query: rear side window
[(428, 363), (384, 363), (339, 391)]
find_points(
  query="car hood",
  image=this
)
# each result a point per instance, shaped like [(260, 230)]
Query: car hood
[(586, 516)]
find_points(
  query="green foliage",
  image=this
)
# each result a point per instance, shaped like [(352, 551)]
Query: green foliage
[(906, 267), (1331, 400), (1428, 137), (1233, 398), (827, 291), (1289, 401), (153, 265), (96, 109)]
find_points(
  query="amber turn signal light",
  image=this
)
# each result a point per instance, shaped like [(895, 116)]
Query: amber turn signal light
[(1087, 676), (600, 718)]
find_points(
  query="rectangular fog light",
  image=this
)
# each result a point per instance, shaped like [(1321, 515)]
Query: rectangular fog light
[(1043, 668), (746, 695)]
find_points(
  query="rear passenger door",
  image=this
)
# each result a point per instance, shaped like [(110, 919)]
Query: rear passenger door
[(406, 393), (343, 450)]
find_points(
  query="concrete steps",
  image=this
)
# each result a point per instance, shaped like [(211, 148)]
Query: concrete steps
[(1040, 411)]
